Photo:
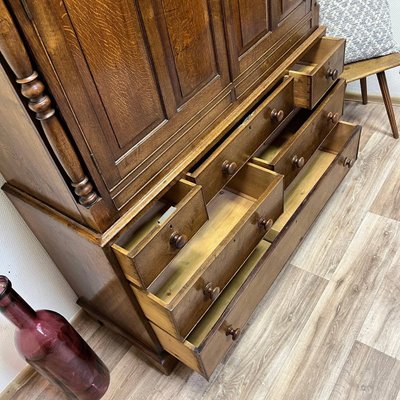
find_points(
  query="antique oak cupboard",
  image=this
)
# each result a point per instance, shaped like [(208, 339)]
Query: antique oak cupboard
[(170, 155)]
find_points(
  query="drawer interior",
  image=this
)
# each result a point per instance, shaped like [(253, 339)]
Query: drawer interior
[(155, 216), (226, 211), (312, 173), (150, 242), (282, 142), (318, 55)]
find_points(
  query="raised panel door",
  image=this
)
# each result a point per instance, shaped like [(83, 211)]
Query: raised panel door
[(259, 33), (160, 71), (110, 35), (187, 35)]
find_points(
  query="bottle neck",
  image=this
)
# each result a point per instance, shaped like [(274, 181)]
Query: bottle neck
[(14, 307)]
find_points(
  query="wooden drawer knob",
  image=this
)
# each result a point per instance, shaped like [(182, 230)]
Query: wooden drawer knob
[(229, 167), (211, 292), (334, 117), (235, 333), (177, 240), (298, 162), (277, 115), (332, 74), (348, 162), (265, 223)]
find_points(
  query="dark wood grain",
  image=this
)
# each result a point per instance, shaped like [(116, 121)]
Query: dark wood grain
[(287, 6), (114, 47), (143, 261), (144, 91), (254, 20), (190, 34), (244, 141), (317, 71)]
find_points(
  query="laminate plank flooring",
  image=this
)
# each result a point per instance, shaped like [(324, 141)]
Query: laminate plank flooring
[(328, 327), (326, 340), (381, 327), (368, 374), (389, 206)]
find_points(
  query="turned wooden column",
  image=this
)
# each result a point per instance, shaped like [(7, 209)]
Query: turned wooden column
[(13, 50)]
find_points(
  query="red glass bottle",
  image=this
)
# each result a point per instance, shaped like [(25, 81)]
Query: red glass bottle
[(53, 347)]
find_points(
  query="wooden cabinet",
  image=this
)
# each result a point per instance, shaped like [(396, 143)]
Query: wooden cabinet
[(141, 85), (185, 149)]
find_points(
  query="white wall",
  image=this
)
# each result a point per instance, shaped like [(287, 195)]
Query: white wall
[(393, 74), (33, 274)]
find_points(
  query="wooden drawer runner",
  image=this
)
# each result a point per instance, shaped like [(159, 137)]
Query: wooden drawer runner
[(292, 149), (239, 217), (236, 150), (317, 71), (151, 242), (207, 344)]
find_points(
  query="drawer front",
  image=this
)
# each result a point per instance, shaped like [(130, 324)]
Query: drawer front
[(329, 72), (311, 135), (318, 71), (235, 151), (179, 317), (147, 260), (205, 356)]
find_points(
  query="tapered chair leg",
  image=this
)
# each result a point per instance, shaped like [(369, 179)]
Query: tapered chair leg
[(364, 90), (388, 103)]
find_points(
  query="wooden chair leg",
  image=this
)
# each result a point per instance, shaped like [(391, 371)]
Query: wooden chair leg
[(364, 90), (388, 103)]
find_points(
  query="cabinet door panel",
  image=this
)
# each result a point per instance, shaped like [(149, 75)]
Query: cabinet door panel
[(111, 39), (256, 29), (254, 20), (189, 34)]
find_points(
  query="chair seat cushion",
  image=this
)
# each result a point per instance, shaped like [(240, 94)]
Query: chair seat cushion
[(365, 24)]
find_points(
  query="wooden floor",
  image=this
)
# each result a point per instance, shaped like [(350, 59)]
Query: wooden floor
[(328, 329)]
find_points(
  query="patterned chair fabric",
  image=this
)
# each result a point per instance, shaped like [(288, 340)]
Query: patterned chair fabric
[(365, 24)]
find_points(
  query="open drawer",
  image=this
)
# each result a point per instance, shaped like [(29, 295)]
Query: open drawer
[(239, 216), (151, 242), (291, 150), (317, 71), (218, 330), (335, 156), (227, 159)]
